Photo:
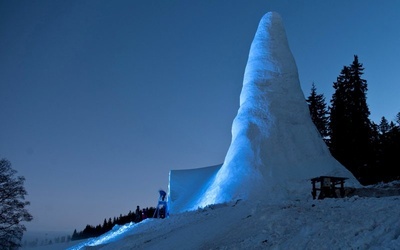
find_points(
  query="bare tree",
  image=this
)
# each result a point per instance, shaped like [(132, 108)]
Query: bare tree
[(12, 207)]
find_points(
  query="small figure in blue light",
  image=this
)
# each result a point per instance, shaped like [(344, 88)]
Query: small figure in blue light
[(161, 208)]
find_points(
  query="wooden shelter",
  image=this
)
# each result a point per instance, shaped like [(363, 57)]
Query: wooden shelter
[(328, 187)]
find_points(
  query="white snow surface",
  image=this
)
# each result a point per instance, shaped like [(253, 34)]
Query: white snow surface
[(275, 148), (186, 185), (348, 223), (275, 145)]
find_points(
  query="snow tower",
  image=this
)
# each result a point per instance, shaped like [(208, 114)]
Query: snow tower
[(275, 148)]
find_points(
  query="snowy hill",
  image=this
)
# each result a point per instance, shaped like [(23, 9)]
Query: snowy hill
[(349, 223)]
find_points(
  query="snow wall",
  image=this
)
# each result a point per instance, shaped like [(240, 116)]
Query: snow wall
[(185, 186)]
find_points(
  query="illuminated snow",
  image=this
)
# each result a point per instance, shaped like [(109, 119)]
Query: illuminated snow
[(185, 186), (350, 223), (113, 235), (275, 147)]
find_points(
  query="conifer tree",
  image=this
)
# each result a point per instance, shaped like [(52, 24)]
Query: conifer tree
[(75, 235), (376, 145), (318, 111), (392, 151), (339, 120), (384, 144), (350, 127), (384, 126), (398, 119)]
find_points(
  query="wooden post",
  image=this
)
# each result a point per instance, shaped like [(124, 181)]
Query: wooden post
[(342, 188), (314, 191)]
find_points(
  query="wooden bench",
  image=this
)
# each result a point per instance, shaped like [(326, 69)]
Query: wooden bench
[(327, 187)]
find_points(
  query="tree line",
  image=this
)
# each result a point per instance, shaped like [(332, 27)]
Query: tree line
[(94, 231), (367, 149)]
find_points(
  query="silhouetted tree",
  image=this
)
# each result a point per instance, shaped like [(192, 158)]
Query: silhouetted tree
[(339, 120), (350, 127), (75, 235), (391, 151), (318, 111), (109, 224), (397, 119), (12, 207), (386, 148)]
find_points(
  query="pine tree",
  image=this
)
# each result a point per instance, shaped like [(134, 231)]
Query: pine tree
[(384, 126), (392, 151), (74, 235), (318, 111), (350, 127), (398, 119), (376, 145), (339, 120), (384, 148)]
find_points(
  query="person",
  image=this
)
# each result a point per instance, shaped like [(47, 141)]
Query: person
[(138, 214), (161, 208), (144, 214), (162, 195)]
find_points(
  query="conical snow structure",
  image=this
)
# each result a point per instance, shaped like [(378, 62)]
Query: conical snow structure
[(275, 147)]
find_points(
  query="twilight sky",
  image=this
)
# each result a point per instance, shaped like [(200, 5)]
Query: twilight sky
[(100, 99)]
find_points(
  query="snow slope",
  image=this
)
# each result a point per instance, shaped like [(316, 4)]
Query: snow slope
[(349, 223)]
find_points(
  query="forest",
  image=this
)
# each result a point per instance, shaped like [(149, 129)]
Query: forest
[(367, 149)]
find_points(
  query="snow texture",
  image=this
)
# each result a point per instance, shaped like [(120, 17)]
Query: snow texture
[(185, 185), (349, 223)]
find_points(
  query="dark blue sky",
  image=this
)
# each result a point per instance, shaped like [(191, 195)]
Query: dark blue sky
[(100, 99)]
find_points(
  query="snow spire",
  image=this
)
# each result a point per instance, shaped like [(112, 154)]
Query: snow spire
[(275, 147)]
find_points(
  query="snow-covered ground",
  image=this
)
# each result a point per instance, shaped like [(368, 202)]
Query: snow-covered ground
[(348, 223)]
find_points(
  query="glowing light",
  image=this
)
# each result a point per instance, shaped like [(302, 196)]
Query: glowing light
[(115, 234)]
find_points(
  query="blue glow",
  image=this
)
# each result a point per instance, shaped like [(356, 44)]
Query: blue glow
[(115, 234)]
